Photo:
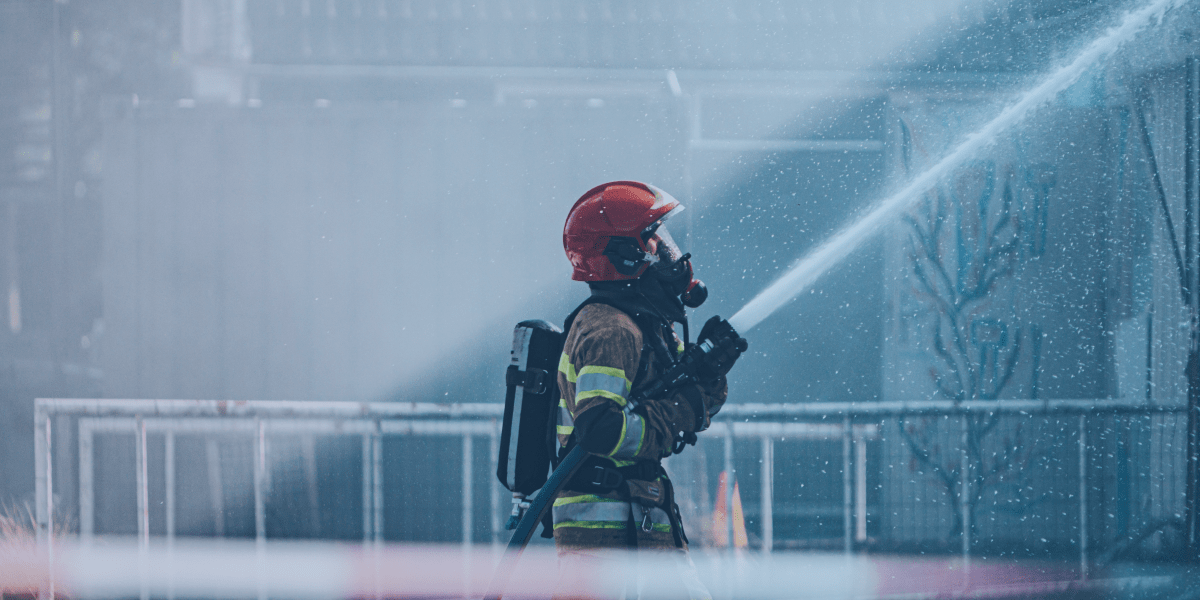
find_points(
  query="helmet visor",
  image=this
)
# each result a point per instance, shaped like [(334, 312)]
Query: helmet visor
[(658, 239), (667, 250)]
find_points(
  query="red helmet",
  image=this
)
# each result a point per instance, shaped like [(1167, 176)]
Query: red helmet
[(610, 234)]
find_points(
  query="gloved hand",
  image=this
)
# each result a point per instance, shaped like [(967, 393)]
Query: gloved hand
[(704, 400), (727, 347), (715, 393)]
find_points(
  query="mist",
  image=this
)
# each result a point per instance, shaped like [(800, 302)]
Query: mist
[(356, 200)]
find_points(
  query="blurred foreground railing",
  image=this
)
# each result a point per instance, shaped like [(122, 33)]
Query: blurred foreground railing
[(312, 570)]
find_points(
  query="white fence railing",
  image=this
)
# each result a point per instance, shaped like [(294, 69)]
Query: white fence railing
[(371, 422), (853, 424)]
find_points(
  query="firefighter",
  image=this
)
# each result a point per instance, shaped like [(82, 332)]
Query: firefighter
[(617, 343)]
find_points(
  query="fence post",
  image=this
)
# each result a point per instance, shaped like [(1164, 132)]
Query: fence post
[(260, 462), (377, 504), (377, 483), (468, 510), (860, 488), (143, 508), (169, 482), (87, 498), (494, 450), (468, 493), (1083, 499), (847, 488), (729, 483), (965, 499), (367, 489), (260, 514), (44, 495), (768, 486)]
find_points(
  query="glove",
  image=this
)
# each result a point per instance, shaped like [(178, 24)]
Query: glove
[(727, 347), (704, 401), (715, 394)]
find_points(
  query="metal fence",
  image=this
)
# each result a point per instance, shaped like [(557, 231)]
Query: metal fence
[(1044, 477)]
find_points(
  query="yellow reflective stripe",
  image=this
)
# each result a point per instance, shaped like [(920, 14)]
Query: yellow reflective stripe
[(622, 463), (564, 429), (566, 368), (621, 439), (601, 393), (602, 381), (659, 527), (679, 348), (610, 371), (641, 439), (564, 418), (593, 524), (565, 500)]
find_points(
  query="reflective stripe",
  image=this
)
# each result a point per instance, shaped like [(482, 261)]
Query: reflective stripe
[(633, 433), (564, 429), (592, 511), (582, 498), (612, 372), (621, 438), (602, 381), (659, 527), (566, 368), (620, 400), (565, 420), (605, 382), (591, 524)]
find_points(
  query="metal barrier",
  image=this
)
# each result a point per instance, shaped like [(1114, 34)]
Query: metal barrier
[(370, 421), (255, 419), (855, 425)]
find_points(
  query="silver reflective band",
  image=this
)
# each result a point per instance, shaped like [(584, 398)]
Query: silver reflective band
[(635, 428), (592, 511), (600, 381)]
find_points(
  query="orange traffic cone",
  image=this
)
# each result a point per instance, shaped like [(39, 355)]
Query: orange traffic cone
[(740, 539), (720, 535), (720, 538)]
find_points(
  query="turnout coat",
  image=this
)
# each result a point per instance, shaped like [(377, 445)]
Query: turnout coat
[(606, 360)]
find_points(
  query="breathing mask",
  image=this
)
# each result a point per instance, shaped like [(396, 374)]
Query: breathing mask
[(672, 268)]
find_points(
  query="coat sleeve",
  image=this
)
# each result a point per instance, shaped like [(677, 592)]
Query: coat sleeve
[(688, 409), (604, 363)]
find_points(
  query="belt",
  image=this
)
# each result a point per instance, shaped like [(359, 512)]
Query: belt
[(598, 475)]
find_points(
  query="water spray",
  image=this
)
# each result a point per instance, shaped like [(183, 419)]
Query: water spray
[(807, 270)]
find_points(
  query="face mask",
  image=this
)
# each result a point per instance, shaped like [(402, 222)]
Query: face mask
[(674, 271)]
